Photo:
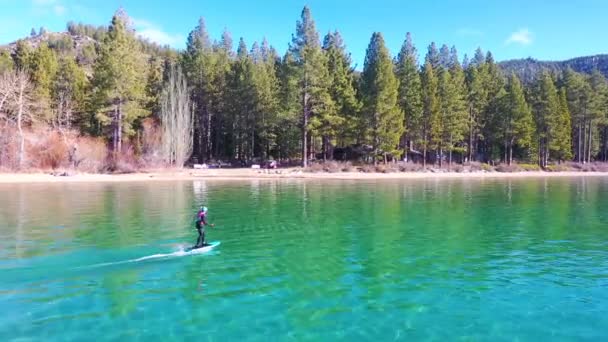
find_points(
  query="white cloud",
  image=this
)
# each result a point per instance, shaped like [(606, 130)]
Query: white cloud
[(160, 37), (46, 6), (59, 9), (155, 33), (522, 36), (141, 23)]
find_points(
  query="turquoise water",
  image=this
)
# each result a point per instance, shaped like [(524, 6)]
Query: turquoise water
[(476, 260)]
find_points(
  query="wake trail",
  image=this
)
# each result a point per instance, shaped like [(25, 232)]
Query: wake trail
[(179, 253)]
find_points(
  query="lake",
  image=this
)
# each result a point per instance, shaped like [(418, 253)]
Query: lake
[(312, 260)]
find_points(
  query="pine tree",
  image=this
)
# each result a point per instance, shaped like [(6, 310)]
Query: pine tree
[(22, 56), (42, 72), (198, 66), (157, 70), (290, 110), (439, 122), (494, 86), (243, 97), (579, 94), (546, 109), (457, 123), (316, 103), (517, 124), (562, 144), (33, 33), (432, 56), (6, 62), (597, 112), (266, 86), (445, 58), (119, 80), (465, 62), (226, 43), (380, 89), (219, 97), (69, 94), (479, 58), (345, 123), (410, 93), (430, 107), (477, 103)]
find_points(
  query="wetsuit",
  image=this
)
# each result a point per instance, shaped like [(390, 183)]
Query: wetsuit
[(201, 222)]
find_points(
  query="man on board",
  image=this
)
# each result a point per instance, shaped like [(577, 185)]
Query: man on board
[(201, 222)]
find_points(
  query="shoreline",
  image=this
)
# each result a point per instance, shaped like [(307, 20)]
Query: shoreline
[(286, 174)]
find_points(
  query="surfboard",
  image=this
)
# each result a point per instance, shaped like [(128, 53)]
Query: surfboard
[(203, 249)]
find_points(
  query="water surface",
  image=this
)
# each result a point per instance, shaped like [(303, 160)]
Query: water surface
[(474, 260)]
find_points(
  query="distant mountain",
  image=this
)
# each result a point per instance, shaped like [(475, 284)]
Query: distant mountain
[(527, 69)]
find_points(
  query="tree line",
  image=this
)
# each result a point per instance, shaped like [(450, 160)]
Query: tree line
[(215, 102)]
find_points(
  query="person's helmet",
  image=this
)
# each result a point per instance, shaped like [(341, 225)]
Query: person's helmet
[(204, 209)]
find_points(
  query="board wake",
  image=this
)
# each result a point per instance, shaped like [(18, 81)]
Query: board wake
[(187, 251), (179, 253)]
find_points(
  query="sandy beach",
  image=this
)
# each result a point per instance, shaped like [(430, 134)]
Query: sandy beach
[(247, 174)]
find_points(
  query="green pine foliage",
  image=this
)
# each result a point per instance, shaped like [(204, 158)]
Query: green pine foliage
[(517, 124), (250, 104), (431, 124), (345, 123), (317, 106), (547, 111), (380, 90), (68, 94), (562, 145), (410, 94), (119, 82)]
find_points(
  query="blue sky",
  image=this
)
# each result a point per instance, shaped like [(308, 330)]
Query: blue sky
[(547, 30)]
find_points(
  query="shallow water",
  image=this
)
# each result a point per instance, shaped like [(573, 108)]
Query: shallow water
[(307, 260)]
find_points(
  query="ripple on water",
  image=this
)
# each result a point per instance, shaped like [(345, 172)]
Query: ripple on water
[(443, 260)]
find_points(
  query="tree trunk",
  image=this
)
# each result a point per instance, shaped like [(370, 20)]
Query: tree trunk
[(450, 152), (114, 124), (585, 141), (208, 136), (546, 161), (506, 160), (119, 128), (218, 136), (324, 148), (578, 145), (605, 143), (304, 130), (424, 153), (405, 146), (19, 124), (251, 150), (511, 152), (540, 152), (589, 145), (470, 136)]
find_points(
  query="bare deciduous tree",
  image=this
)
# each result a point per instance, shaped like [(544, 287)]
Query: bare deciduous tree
[(15, 102), (176, 119), (22, 102)]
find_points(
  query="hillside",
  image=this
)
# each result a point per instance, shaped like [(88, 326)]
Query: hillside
[(527, 68), (80, 41)]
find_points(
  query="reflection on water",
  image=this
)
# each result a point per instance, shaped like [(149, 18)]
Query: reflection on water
[(307, 260)]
